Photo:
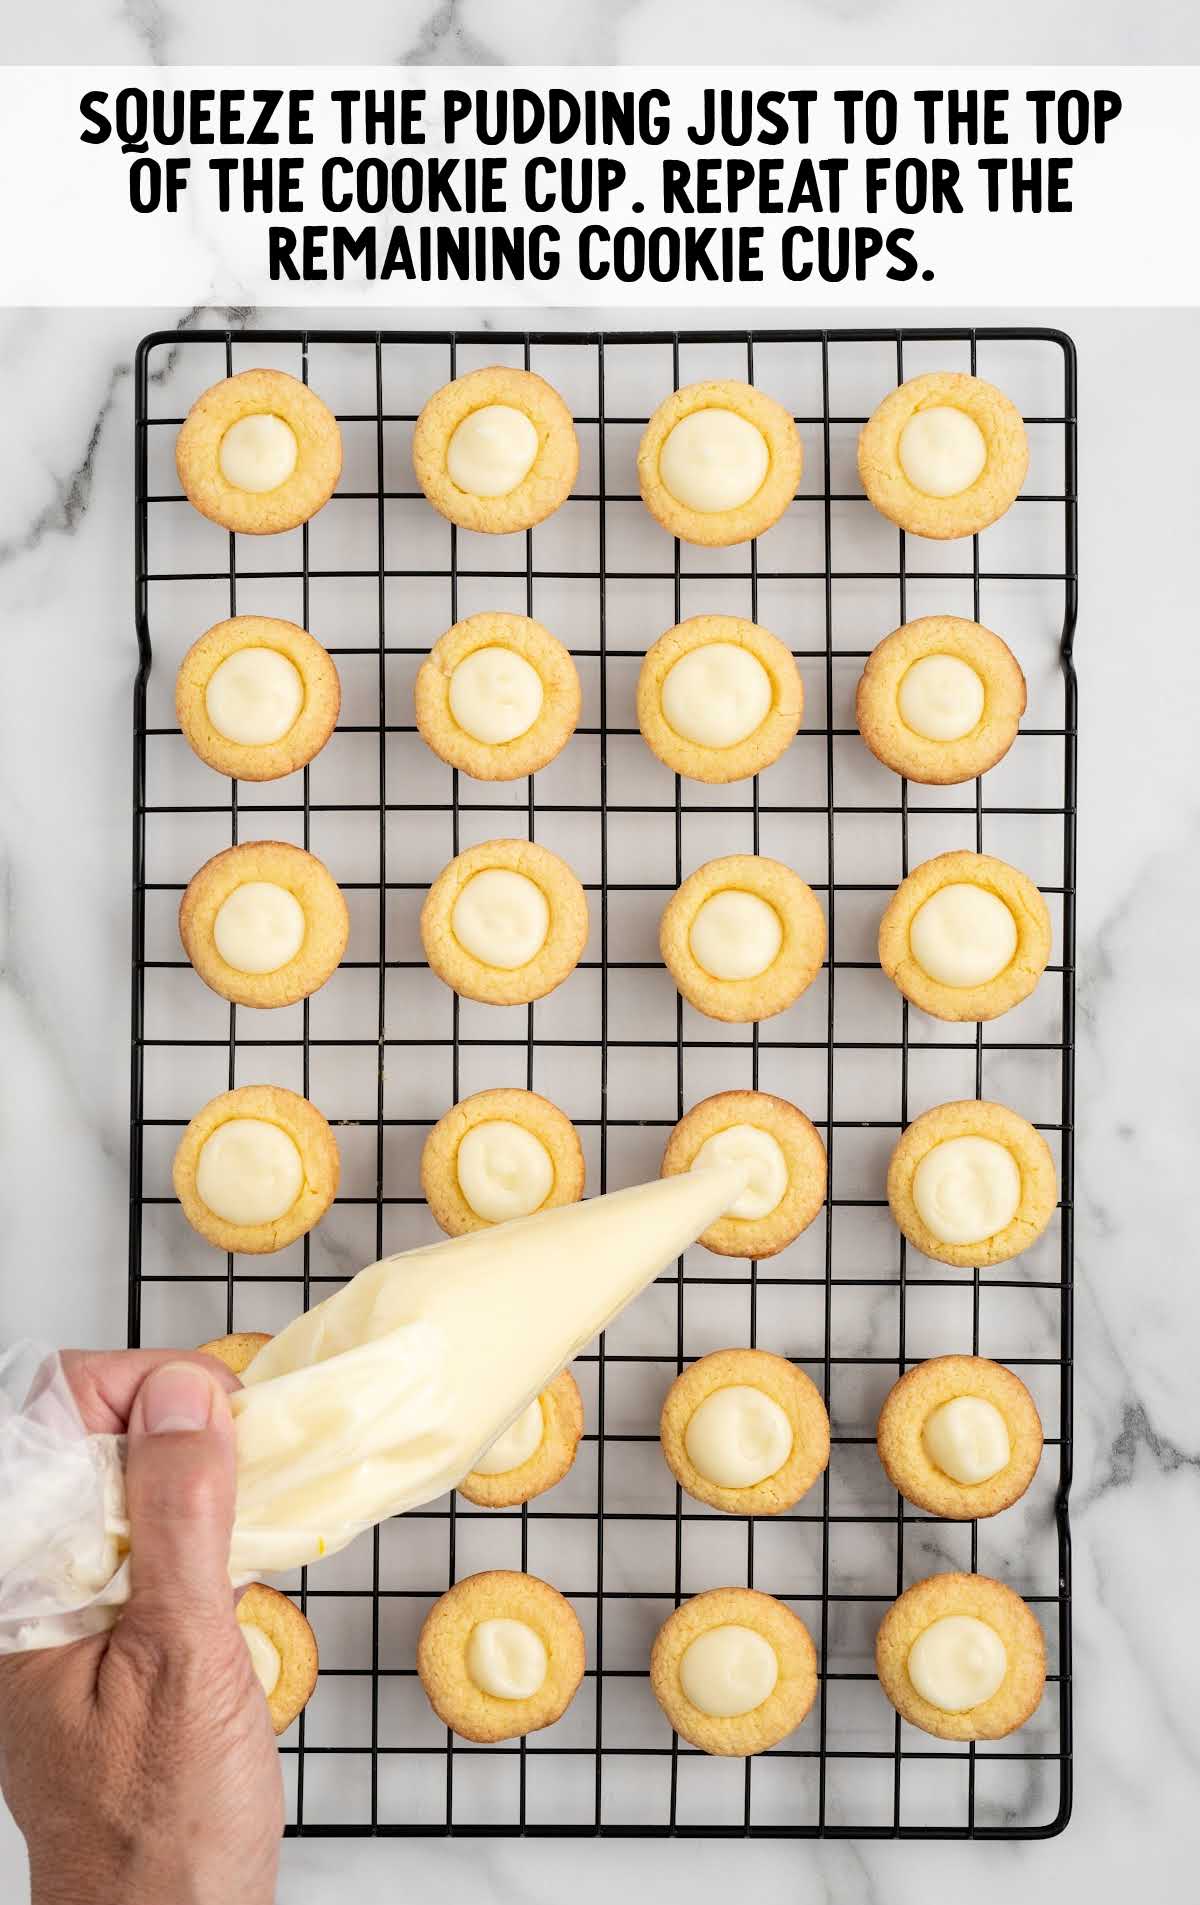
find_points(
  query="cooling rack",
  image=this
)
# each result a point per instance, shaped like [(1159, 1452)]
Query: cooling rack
[(384, 1049)]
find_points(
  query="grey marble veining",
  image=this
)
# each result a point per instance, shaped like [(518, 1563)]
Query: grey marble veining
[(65, 564), (596, 32)]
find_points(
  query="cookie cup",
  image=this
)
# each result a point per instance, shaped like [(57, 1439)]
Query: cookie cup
[(775, 732), (526, 753), (547, 483), (996, 1605), (789, 1387), (738, 1735), (253, 393), (994, 490), (724, 527), (974, 1004), (804, 1154), (975, 1118), (906, 1409)]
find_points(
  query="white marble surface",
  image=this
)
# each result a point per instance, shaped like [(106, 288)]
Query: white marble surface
[(65, 541), (594, 32)]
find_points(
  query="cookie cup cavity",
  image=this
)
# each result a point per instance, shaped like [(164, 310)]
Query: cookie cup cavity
[(554, 726), (442, 1655), (909, 1404), (313, 1139), (785, 460), (560, 952), (803, 1150), (998, 484), (238, 1350), (263, 761), (254, 393), (758, 750), (787, 1386), (293, 1639), (312, 886), (795, 1689), (549, 479), (562, 1427), (916, 756), (439, 1158), (977, 1003), (975, 1118), (795, 965), (974, 1595)]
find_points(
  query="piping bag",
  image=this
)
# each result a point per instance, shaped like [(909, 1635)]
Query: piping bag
[(373, 1402)]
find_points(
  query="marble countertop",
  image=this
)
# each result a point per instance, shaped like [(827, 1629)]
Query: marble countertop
[(597, 32), (65, 548)]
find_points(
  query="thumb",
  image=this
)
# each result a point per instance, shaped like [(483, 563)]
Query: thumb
[(179, 1487)]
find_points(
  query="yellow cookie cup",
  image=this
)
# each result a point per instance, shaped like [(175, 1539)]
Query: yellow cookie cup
[(497, 1155), (237, 1351), (257, 697), (972, 1183), (534, 1453), (264, 923), (962, 1657), (745, 1431), (719, 463), (965, 937), (500, 1655), (283, 1651), (498, 697), (718, 698), (788, 1168), (256, 1168), (735, 1671), (496, 450), (259, 453), (742, 938), (944, 455), (960, 1437), (940, 700), (505, 922)]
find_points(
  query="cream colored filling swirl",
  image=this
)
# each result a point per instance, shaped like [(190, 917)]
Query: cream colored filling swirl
[(492, 450), (260, 927), (941, 698), (729, 1671), (735, 935), (258, 453), (967, 1189), (942, 450), (265, 1657), (254, 697), (520, 1440), (738, 1436), (504, 1170), (967, 1438), (963, 935), (957, 1663), (763, 1156), (501, 918), (495, 695), (714, 460), (717, 695), (249, 1172), (506, 1659)]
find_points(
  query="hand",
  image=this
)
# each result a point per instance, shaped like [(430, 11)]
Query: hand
[(140, 1764)]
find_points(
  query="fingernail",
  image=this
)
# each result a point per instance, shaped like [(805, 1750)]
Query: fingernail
[(175, 1398)]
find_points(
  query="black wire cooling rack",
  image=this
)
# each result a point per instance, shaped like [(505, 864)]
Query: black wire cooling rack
[(849, 1302)]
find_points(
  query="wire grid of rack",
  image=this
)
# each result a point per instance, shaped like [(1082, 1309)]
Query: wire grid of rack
[(850, 1302)]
